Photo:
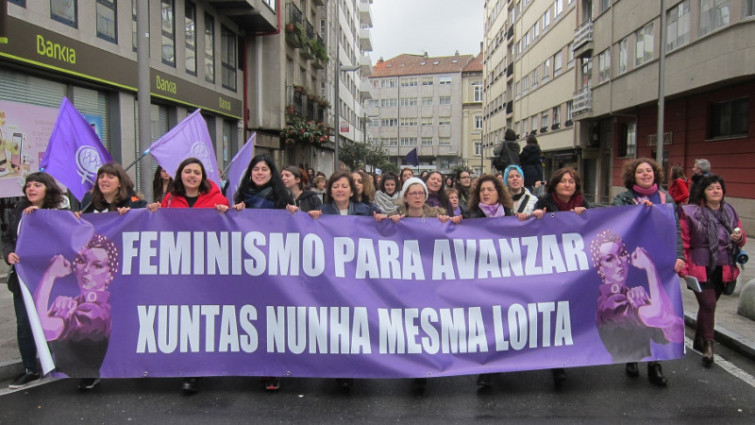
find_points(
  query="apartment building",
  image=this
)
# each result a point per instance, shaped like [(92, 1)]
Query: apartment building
[(709, 87), (471, 115), (418, 103), (528, 77), (86, 51)]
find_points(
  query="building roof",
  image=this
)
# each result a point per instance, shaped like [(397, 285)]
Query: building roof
[(406, 64), (475, 65)]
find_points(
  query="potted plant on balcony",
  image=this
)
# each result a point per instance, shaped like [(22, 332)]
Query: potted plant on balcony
[(305, 132), (290, 109)]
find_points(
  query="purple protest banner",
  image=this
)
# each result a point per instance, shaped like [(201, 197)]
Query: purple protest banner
[(190, 138), (267, 293), (74, 153)]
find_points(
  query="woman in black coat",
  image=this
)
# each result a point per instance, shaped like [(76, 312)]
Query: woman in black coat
[(529, 160)]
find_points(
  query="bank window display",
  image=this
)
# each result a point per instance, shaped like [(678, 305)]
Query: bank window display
[(228, 58), (190, 24), (168, 32), (106, 20), (64, 11), (209, 48)]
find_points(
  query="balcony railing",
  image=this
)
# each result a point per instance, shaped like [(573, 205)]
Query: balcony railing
[(365, 14), (582, 101), (583, 39)]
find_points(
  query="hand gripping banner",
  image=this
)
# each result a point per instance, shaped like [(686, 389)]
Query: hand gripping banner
[(268, 293)]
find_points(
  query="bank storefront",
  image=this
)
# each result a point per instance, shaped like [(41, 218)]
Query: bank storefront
[(39, 67)]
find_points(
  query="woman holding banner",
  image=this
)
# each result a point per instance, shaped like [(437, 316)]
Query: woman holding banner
[(114, 191), (412, 203), (262, 187), (40, 191), (340, 199), (564, 194), (306, 200), (642, 179), (192, 189)]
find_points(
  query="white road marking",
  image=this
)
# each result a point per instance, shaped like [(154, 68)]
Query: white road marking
[(726, 365)]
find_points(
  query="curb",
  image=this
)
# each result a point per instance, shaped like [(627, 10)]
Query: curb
[(727, 338), (10, 369)]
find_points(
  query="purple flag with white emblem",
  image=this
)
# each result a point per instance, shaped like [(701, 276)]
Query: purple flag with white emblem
[(190, 138), (74, 153), (238, 167)]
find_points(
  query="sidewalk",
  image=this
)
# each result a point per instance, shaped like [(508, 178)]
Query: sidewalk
[(732, 330)]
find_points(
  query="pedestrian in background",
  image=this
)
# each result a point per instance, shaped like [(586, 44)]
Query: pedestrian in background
[(532, 167), (677, 186), (162, 183), (699, 170), (712, 234), (40, 191)]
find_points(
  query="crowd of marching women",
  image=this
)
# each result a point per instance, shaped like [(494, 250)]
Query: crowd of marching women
[(709, 233)]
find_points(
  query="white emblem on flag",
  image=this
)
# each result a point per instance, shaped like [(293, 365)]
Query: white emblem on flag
[(199, 151), (88, 161)]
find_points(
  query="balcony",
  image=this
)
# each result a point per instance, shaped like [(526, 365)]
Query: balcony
[(365, 65), (582, 46), (365, 13), (252, 15), (365, 40), (582, 101), (295, 33), (365, 89)]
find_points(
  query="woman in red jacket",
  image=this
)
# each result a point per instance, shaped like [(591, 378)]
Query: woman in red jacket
[(677, 186), (192, 189)]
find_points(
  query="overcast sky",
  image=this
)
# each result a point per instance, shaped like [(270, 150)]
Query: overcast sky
[(439, 27)]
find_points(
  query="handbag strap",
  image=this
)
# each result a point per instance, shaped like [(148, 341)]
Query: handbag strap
[(523, 205)]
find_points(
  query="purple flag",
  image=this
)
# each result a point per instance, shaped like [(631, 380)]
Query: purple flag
[(190, 138), (74, 153), (411, 157), (238, 167)]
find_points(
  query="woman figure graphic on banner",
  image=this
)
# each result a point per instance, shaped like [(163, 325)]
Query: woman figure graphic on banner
[(629, 318), (77, 328)]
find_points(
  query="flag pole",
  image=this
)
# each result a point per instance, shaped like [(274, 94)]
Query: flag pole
[(143, 154)]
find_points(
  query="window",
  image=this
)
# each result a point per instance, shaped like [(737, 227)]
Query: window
[(373, 103), (714, 14), (749, 8), (558, 62), (534, 78), (546, 19), (228, 58), (478, 148), (134, 38), (570, 61), (643, 51), (546, 69), (388, 83), (389, 122), (374, 122), (623, 55), (444, 141), (168, 32), (408, 122), (628, 140), (444, 100), (677, 26), (408, 141), (518, 89), (569, 112), (558, 7), (444, 81), (427, 101), (544, 122), (64, 11), (409, 82), (106, 22), (477, 87), (604, 5), (190, 23), (535, 32), (604, 65), (408, 101), (478, 122), (525, 84), (427, 120), (444, 121), (729, 119), (388, 103), (209, 48), (427, 141), (427, 81), (556, 117), (392, 141)]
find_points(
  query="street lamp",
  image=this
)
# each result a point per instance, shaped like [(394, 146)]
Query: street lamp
[(337, 101)]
